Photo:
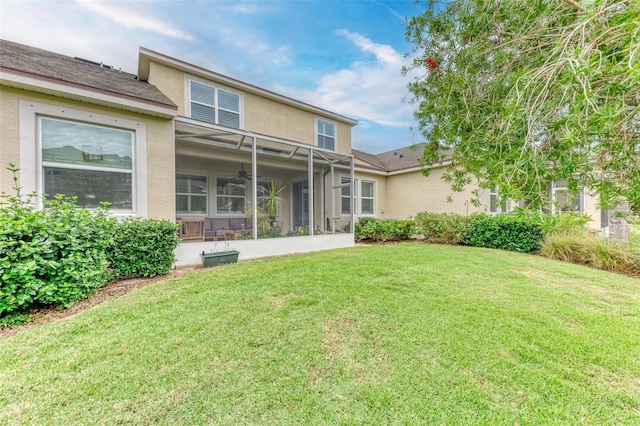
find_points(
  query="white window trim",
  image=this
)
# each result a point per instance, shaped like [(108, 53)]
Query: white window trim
[(580, 194), (196, 175), (31, 179), (317, 133), (495, 191), (354, 202), (372, 198), (244, 197), (187, 92)]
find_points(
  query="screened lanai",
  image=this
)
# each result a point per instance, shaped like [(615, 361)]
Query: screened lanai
[(235, 188)]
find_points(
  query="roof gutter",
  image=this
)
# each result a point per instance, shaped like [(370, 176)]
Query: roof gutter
[(402, 171), (49, 86)]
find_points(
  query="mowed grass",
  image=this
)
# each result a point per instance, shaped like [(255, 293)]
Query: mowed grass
[(394, 334), (634, 236)]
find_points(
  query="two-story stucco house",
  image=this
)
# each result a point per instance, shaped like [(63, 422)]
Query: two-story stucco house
[(178, 142)]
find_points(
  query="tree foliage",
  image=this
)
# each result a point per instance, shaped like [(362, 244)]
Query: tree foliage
[(530, 92)]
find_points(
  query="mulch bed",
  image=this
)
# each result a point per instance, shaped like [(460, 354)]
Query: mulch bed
[(115, 289)]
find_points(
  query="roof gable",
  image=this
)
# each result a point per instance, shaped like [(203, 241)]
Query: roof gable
[(147, 55)]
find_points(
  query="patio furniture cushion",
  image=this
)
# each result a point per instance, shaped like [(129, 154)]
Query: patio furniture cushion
[(221, 226), (237, 223)]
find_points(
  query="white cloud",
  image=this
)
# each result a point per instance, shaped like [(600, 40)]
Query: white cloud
[(383, 52), (252, 46), (133, 19), (370, 90)]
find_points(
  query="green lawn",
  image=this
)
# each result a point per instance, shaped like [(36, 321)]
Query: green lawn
[(394, 334), (634, 235)]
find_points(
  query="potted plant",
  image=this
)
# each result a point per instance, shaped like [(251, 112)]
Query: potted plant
[(269, 205)]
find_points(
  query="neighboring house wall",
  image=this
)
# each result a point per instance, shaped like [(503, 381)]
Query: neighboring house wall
[(403, 190), (153, 167), (411, 193), (591, 209)]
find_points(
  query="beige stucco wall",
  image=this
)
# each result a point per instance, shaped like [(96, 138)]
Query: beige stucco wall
[(161, 168), (410, 193), (9, 137), (159, 171), (169, 81), (260, 114), (592, 210), (404, 195)]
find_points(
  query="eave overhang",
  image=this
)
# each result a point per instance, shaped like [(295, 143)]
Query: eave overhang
[(62, 89)]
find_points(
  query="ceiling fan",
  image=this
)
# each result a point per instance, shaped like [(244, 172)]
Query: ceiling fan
[(242, 174)]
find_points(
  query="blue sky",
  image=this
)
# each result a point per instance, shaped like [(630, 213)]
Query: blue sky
[(344, 56)]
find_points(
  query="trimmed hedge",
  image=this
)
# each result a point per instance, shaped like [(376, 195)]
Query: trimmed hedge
[(384, 229), (51, 257), (504, 231), (442, 228), (143, 247), (59, 255)]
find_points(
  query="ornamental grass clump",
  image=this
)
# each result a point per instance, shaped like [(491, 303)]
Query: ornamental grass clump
[(588, 249)]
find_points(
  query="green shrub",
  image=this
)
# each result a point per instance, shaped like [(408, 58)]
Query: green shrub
[(503, 231), (588, 249), (143, 247), (384, 229), (564, 222), (358, 228), (443, 228), (55, 256)]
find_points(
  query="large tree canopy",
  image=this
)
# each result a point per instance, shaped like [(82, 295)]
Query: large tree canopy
[(530, 92)]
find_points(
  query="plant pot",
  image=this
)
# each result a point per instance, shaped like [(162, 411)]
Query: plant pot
[(219, 258)]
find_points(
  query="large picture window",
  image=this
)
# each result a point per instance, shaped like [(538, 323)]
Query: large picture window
[(191, 194), (214, 105), (326, 134), (230, 196), (90, 162)]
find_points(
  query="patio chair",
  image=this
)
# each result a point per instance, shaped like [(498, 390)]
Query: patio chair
[(192, 229)]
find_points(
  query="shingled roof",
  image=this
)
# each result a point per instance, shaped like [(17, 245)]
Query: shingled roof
[(22, 60), (397, 159)]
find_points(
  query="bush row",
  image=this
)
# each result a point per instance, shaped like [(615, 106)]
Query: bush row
[(59, 255), (384, 229), (507, 232)]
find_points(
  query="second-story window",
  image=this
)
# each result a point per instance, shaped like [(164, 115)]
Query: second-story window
[(326, 134), (214, 105)]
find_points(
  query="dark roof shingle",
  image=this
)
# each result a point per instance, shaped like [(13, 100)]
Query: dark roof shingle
[(77, 72), (397, 159)]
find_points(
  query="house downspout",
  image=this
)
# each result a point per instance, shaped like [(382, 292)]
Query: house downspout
[(333, 200), (254, 187), (325, 172), (353, 195), (312, 204)]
